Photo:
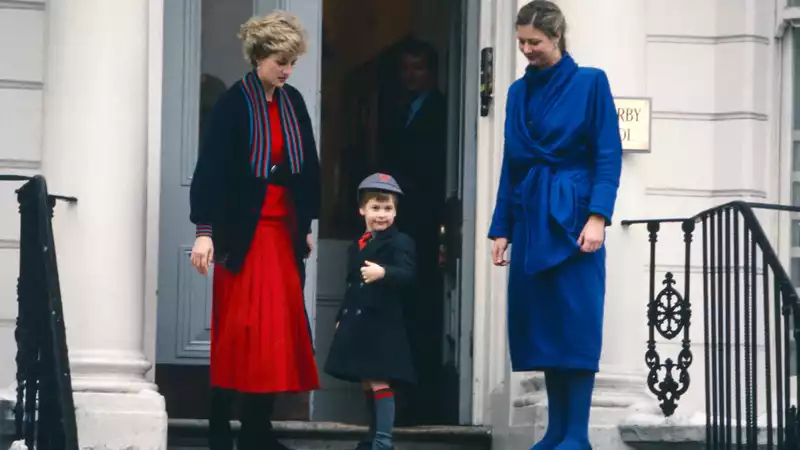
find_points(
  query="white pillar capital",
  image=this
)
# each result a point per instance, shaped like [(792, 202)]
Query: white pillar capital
[(95, 148)]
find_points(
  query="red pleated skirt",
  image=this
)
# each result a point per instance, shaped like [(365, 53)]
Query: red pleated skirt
[(260, 341)]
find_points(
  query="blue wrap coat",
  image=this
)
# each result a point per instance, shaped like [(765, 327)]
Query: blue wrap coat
[(562, 162)]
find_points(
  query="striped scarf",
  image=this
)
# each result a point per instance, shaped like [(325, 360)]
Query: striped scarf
[(260, 139)]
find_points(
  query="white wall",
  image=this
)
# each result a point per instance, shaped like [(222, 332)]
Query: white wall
[(21, 69), (710, 71)]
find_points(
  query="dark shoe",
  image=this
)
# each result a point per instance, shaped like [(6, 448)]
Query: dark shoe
[(220, 442), (382, 441), (276, 445), (220, 436)]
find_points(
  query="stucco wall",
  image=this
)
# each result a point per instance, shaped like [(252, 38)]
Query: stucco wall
[(22, 33)]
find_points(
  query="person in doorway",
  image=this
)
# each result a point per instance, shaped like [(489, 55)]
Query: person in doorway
[(254, 193), (370, 345), (558, 186), (413, 149)]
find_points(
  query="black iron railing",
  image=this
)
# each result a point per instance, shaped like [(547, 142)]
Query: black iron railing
[(751, 322), (44, 411)]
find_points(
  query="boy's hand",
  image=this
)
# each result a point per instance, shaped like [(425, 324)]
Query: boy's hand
[(372, 272)]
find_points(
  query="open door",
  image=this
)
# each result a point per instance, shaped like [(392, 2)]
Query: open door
[(458, 232), (202, 59)]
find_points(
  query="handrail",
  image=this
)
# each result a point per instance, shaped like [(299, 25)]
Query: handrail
[(44, 411), (751, 311), (746, 209), (28, 178), (738, 203)]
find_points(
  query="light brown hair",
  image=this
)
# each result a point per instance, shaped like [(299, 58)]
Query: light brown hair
[(547, 17), (276, 33)]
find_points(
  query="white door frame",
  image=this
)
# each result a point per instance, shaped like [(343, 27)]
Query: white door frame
[(470, 60), (490, 350)]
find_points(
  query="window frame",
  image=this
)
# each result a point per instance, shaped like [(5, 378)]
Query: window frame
[(786, 107)]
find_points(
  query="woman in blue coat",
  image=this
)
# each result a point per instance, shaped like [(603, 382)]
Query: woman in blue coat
[(561, 168)]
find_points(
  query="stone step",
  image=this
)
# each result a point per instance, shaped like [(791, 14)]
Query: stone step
[(190, 434)]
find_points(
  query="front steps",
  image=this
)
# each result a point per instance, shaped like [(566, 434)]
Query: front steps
[(188, 434)]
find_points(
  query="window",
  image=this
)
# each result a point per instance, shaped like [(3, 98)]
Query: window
[(795, 164), (791, 19)]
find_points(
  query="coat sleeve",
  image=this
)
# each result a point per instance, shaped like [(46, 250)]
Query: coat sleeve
[(502, 225), (402, 271), (502, 219), (607, 148), (212, 169)]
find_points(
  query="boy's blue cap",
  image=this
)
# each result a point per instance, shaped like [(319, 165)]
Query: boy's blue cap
[(380, 182)]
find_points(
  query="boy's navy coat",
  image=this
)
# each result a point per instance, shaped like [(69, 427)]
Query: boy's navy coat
[(371, 342)]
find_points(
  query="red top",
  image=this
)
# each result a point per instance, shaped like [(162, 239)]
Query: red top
[(277, 202)]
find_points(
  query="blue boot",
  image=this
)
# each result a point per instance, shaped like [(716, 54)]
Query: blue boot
[(556, 386), (580, 385)]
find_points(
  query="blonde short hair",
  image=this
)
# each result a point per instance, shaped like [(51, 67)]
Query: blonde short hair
[(278, 32)]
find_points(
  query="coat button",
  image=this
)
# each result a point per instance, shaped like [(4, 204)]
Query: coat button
[(345, 311), (361, 285), (349, 284), (358, 312)]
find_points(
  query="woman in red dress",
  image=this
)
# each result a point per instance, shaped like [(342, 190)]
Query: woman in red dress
[(254, 194)]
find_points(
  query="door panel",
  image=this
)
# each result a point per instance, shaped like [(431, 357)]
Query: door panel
[(470, 14), (202, 58), (337, 400)]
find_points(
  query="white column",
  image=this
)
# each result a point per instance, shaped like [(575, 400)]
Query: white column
[(620, 51), (95, 148)]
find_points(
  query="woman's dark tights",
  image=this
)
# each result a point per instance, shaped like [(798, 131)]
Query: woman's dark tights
[(256, 414)]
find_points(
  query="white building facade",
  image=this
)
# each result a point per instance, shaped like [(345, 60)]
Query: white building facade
[(81, 101)]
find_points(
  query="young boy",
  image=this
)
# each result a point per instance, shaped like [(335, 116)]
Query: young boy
[(370, 345)]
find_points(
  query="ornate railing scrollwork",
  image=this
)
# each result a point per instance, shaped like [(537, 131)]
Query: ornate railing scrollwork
[(669, 314)]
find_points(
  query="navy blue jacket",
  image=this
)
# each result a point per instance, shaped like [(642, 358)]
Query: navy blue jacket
[(225, 195)]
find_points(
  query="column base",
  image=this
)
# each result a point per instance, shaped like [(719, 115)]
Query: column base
[(109, 371), (615, 394), (117, 421)]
